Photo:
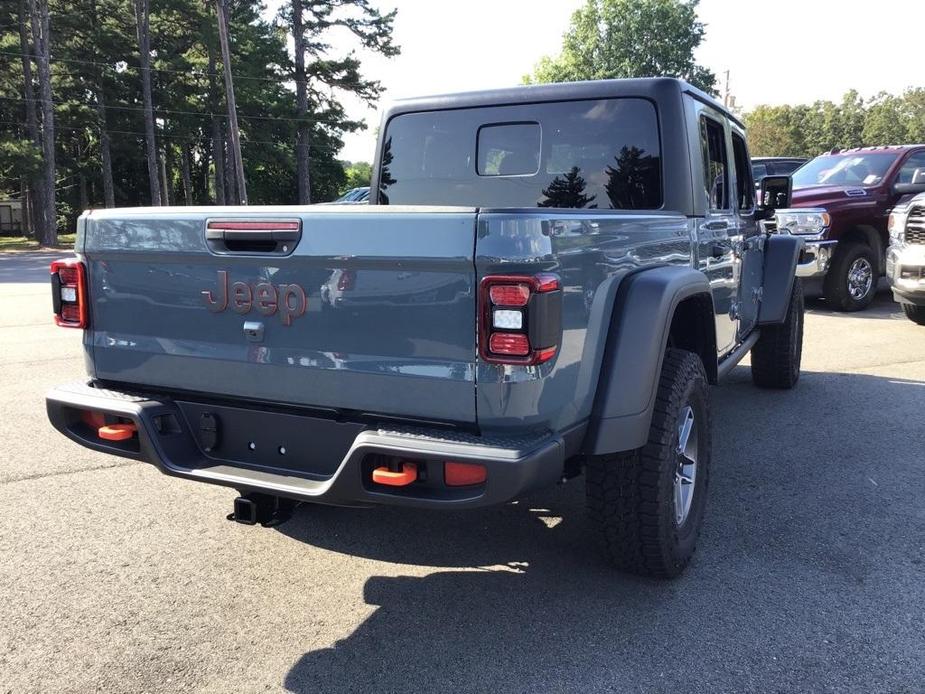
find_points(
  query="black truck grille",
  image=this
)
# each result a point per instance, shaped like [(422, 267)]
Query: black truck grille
[(915, 226)]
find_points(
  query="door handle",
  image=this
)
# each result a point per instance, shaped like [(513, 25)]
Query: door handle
[(249, 236)]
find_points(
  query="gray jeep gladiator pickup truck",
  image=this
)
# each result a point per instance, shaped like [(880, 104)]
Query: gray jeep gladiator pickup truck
[(545, 282)]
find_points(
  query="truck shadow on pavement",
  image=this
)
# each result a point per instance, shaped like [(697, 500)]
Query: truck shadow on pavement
[(789, 586), (882, 307)]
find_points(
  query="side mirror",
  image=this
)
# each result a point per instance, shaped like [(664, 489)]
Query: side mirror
[(909, 188), (774, 194)]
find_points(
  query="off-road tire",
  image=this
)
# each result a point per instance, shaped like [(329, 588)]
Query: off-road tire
[(835, 284), (778, 352), (630, 496), (914, 313)]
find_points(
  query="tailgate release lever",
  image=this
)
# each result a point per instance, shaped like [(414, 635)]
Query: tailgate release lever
[(253, 330), (250, 236)]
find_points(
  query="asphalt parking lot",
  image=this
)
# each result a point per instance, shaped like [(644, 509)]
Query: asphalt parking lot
[(809, 575)]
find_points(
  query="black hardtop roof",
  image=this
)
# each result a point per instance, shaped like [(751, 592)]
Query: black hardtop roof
[(648, 87)]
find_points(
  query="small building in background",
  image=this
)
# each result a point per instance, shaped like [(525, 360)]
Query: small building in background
[(11, 218)]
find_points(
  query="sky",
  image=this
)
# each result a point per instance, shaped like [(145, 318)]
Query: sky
[(788, 51)]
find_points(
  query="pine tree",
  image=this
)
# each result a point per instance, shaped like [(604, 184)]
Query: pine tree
[(41, 37), (315, 68), (143, 27), (567, 191)]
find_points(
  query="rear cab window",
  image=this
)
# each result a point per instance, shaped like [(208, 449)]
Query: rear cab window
[(592, 154)]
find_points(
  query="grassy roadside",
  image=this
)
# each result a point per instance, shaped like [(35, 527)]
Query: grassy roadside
[(21, 243)]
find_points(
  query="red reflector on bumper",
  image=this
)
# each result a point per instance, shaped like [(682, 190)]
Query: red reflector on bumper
[(463, 474), (545, 354), (513, 344)]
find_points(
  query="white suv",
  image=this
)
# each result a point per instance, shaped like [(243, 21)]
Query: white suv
[(905, 259)]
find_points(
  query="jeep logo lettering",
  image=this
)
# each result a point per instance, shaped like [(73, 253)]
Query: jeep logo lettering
[(287, 299)]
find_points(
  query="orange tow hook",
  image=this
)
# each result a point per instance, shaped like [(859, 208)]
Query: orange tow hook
[(116, 432), (395, 478)]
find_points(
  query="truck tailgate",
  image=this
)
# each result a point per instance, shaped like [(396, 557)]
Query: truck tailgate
[(373, 311)]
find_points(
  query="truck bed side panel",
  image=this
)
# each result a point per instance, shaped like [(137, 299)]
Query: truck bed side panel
[(591, 252)]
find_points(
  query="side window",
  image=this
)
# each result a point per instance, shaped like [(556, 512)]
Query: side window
[(745, 186), (914, 163), (716, 179), (785, 168)]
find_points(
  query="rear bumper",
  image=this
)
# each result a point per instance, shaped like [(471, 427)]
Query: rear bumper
[(166, 439)]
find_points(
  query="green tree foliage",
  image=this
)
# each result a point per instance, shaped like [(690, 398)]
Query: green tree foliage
[(807, 130), (629, 38), (357, 173), (327, 75), (99, 116)]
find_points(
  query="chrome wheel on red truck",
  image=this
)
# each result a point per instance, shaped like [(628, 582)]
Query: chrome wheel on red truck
[(851, 282)]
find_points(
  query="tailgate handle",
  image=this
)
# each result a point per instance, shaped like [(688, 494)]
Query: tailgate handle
[(264, 236)]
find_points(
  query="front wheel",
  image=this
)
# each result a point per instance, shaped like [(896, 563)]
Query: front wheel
[(648, 504), (777, 354), (914, 313), (851, 281)]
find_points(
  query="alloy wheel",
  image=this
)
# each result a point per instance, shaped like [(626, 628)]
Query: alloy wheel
[(686, 470), (860, 278)]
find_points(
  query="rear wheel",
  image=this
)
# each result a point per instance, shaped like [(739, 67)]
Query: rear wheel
[(778, 352), (914, 313), (648, 504), (851, 281)]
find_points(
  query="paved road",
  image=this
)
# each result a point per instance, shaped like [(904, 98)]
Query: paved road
[(809, 575)]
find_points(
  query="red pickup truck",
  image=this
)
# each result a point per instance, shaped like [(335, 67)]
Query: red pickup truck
[(842, 201)]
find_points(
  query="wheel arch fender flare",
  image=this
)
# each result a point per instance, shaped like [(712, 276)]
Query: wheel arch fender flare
[(640, 326), (877, 239), (781, 255)]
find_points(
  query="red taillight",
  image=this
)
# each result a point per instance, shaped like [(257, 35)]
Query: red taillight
[(546, 282), (70, 313), (68, 276), (510, 344), (509, 294), (346, 280), (519, 318), (463, 474), (69, 293)]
